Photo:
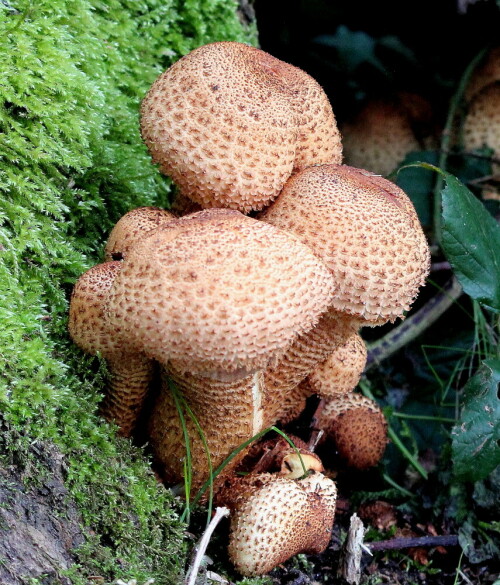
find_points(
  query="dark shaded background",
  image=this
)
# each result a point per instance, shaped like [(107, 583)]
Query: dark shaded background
[(433, 43)]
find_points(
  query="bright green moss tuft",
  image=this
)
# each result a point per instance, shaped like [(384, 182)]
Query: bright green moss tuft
[(71, 163)]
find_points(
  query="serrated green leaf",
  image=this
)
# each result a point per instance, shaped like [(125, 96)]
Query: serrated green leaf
[(476, 439), (471, 242)]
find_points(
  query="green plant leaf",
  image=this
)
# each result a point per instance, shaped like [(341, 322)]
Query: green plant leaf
[(476, 438), (471, 242)]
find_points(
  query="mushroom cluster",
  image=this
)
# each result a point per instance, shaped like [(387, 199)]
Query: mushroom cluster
[(246, 316)]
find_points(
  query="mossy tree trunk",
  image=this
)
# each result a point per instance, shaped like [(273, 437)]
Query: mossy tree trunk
[(72, 75)]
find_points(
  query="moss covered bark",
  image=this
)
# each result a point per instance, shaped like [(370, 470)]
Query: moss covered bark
[(72, 75)]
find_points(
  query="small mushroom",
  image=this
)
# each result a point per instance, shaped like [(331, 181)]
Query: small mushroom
[(277, 455), (341, 371), (365, 229), (482, 123), (274, 518), (486, 73), (384, 131), (358, 427), (230, 123)]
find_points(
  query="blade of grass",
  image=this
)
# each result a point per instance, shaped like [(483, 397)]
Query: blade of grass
[(182, 406), (188, 468), (236, 452)]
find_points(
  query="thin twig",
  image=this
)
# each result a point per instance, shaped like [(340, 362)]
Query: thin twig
[(414, 325), (397, 543), (201, 547), (314, 439)]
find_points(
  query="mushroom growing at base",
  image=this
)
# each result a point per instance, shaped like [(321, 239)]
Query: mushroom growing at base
[(358, 428), (274, 518), (212, 297)]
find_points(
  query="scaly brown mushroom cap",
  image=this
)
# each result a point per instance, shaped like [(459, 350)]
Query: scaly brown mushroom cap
[(341, 371), (488, 72), (274, 518), (358, 428), (131, 227), (229, 123), (365, 229), (218, 293), (130, 370), (482, 123), (385, 131)]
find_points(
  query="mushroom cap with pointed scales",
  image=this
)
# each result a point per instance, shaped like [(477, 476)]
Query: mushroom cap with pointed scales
[(131, 227), (358, 427), (341, 371), (365, 229), (218, 292), (229, 123), (276, 518)]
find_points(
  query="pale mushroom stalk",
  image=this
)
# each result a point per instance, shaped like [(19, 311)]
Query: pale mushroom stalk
[(130, 371)]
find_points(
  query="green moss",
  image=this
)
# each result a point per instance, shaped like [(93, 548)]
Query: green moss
[(71, 163)]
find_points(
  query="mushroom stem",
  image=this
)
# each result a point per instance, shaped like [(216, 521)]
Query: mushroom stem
[(130, 376), (229, 413)]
